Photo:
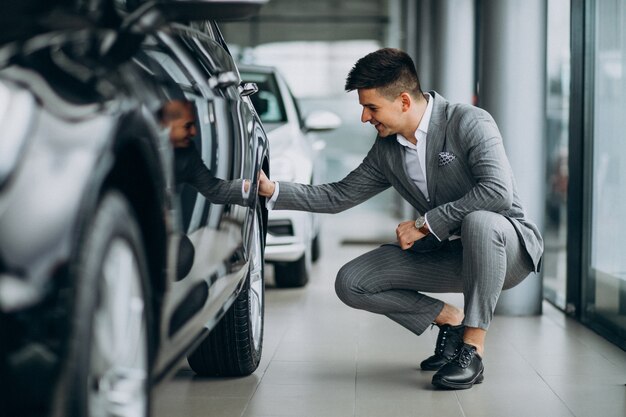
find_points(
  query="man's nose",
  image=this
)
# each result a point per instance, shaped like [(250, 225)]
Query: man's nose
[(365, 116)]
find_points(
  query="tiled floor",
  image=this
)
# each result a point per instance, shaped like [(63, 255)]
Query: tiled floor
[(323, 359)]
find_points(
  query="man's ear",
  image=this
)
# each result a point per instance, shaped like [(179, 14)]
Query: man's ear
[(407, 101)]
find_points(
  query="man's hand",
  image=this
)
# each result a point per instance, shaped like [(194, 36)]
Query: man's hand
[(266, 187), (407, 234)]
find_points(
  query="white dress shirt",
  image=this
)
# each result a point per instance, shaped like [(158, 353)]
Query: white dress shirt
[(414, 157)]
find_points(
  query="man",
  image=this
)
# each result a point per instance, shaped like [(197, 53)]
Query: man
[(179, 117), (472, 236)]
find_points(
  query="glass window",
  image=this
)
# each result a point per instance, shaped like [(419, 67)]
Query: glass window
[(268, 101), (188, 120), (605, 292), (557, 138), (171, 67)]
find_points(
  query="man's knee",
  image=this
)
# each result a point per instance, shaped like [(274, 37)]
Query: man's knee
[(481, 224), (346, 284)]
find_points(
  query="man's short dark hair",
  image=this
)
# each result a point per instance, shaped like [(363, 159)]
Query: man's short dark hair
[(389, 70)]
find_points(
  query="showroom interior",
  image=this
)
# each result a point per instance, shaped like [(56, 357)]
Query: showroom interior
[(551, 73), (151, 280)]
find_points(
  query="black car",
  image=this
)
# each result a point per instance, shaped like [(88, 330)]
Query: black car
[(113, 266)]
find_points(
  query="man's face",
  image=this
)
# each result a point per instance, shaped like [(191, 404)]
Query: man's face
[(182, 124), (384, 114)]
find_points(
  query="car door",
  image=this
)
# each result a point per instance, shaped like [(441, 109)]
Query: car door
[(217, 64), (209, 239)]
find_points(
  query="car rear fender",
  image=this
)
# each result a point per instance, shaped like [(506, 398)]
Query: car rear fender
[(143, 172)]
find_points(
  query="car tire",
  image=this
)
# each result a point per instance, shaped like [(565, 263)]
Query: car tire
[(234, 346), (316, 249), (108, 368), (292, 274)]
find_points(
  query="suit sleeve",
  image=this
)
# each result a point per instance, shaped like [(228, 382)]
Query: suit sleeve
[(359, 185), (493, 189), (216, 190)]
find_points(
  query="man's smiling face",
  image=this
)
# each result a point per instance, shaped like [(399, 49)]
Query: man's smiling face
[(384, 114)]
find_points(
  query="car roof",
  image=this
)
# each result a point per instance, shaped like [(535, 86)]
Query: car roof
[(266, 69)]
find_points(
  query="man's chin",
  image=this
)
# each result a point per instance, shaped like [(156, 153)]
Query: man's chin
[(182, 144), (380, 129), (383, 133)]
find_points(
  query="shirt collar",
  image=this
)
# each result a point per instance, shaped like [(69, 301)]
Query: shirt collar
[(423, 126)]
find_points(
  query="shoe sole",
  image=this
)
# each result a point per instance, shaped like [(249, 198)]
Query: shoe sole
[(442, 383)]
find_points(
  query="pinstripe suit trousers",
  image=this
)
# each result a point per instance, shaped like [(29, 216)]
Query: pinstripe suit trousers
[(488, 258)]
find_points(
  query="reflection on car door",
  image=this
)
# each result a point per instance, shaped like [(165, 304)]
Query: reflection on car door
[(210, 261), (219, 67)]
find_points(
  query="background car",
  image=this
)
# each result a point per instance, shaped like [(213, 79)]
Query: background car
[(110, 270), (293, 236)]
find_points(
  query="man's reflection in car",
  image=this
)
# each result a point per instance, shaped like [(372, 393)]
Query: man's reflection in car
[(179, 117)]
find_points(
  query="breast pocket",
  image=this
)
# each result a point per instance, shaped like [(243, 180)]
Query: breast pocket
[(455, 180)]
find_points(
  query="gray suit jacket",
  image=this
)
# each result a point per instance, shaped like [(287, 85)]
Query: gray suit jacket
[(190, 169), (466, 169)]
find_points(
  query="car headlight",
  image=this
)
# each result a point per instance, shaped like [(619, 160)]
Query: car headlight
[(283, 169), (17, 110)]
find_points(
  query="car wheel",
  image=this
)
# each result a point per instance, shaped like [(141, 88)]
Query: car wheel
[(234, 346), (110, 366), (293, 274), (316, 249)]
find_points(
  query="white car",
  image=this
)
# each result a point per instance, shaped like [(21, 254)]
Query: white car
[(292, 236)]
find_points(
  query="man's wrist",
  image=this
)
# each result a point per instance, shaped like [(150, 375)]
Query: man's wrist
[(421, 225), (273, 188), (271, 200)]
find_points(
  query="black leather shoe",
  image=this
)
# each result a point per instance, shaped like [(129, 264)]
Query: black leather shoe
[(461, 373), (449, 341)]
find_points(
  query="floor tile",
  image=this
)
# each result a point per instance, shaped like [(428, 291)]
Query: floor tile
[(324, 359), (592, 396), (302, 401), (504, 395)]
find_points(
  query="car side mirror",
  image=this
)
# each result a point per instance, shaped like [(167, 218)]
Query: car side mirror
[(321, 120), (248, 89)]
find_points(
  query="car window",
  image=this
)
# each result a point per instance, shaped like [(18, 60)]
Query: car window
[(171, 67), (193, 132), (212, 54), (268, 102), (298, 112), (210, 29)]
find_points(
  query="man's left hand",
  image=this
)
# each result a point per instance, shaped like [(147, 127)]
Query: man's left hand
[(407, 234)]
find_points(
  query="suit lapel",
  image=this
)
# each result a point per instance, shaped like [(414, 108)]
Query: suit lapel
[(397, 160), (435, 141)]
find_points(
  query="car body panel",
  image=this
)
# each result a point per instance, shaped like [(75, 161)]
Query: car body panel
[(101, 131), (294, 158)]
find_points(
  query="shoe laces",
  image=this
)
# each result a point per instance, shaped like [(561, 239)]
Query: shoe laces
[(465, 356), (442, 339)]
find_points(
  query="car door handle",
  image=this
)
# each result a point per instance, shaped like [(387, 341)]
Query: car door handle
[(223, 80)]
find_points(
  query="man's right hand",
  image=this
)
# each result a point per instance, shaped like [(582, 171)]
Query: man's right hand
[(266, 187)]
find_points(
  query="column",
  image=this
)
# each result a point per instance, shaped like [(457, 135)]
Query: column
[(512, 88)]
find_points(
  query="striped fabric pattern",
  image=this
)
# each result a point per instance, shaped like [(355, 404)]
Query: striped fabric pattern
[(472, 194)]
